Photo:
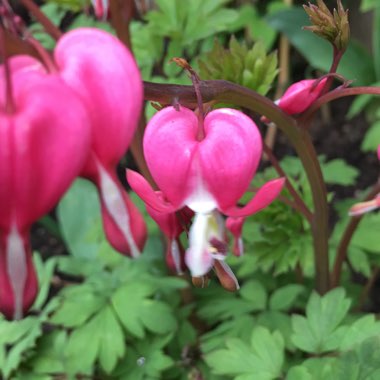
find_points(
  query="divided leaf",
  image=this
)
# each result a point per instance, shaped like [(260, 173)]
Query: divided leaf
[(262, 359), (320, 330)]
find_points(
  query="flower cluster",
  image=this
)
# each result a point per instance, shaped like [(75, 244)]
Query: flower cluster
[(74, 116), (205, 168)]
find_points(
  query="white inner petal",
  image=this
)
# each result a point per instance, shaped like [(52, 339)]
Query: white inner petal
[(114, 202), (240, 245), (200, 200), (198, 258), (17, 269), (176, 255)]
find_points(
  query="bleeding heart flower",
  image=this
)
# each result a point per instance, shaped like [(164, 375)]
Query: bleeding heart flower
[(44, 142), (103, 72), (208, 175), (300, 96)]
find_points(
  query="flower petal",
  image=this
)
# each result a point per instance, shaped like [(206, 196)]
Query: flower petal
[(266, 195), (142, 188)]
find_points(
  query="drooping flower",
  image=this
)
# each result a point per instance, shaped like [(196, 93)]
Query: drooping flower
[(44, 142), (301, 95), (207, 174), (103, 72)]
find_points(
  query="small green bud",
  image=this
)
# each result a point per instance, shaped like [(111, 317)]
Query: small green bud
[(333, 27)]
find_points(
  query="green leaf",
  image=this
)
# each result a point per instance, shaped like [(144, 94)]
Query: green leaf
[(359, 260), (285, 297), (298, 373), (362, 329), (78, 351), (367, 234), (251, 68), (338, 172), (262, 358), (321, 368), (45, 272), (237, 327), (362, 363), (367, 5), (278, 321), (355, 64), (78, 305), (145, 360), (81, 225), (372, 138), (255, 293), (157, 317), (16, 340), (112, 346), (320, 330)]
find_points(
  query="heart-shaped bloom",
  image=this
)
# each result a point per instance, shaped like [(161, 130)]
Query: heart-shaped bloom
[(301, 95), (208, 175), (44, 142), (103, 72)]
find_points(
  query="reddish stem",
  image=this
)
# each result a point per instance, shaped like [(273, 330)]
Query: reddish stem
[(10, 107), (346, 239), (50, 28), (44, 56), (301, 206)]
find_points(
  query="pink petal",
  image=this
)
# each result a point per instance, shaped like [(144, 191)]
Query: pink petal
[(300, 96), (207, 174), (169, 148), (99, 68), (41, 151), (169, 223), (175, 256), (229, 155), (142, 188), (235, 226), (123, 224), (266, 195)]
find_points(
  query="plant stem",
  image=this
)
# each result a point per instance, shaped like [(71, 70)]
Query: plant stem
[(283, 78), (10, 106), (346, 239), (50, 28), (367, 288), (226, 92), (301, 206)]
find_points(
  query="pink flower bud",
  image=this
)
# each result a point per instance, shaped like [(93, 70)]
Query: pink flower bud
[(103, 72), (300, 96)]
